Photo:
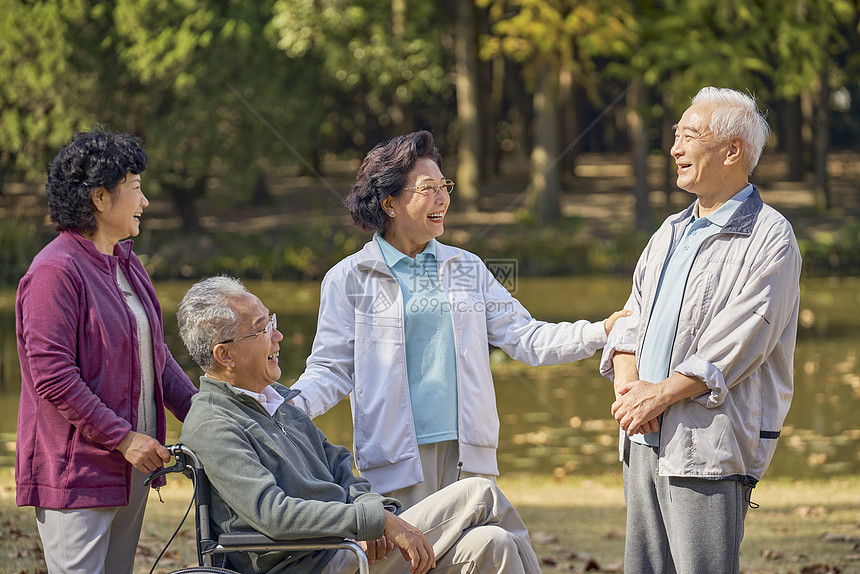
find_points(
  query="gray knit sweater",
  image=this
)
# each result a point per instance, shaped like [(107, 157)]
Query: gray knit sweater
[(277, 475)]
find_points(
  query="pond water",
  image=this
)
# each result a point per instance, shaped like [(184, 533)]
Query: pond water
[(556, 419)]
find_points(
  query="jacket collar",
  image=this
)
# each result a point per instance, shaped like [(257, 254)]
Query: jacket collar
[(741, 221), (121, 252), (370, 257), (222, 388)]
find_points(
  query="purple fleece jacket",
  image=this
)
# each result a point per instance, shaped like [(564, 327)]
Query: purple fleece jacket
[(80, 371)]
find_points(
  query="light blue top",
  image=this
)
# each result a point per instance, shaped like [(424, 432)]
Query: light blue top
[(660, 335), (431, 368)]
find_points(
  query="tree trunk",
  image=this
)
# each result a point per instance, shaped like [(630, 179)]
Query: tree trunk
[(4, 167), (396, 110), (667, 134), (493, 114), (823, 201), (792, 138), (567, 107), (261, 194), (468, 108), (638, 134), (184, 200), (543, 198)]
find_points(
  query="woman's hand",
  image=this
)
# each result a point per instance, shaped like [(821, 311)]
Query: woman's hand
[(610, 321), (143, 452)]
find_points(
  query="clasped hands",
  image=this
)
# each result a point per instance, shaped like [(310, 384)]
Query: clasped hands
[(637, 406), (638, 403)]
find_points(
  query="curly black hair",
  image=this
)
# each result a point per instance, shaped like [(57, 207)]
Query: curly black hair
[(384, 172), (90, 160)]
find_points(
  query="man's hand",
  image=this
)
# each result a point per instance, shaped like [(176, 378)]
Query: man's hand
[(412, 544), (624, 365), (640, 402), (143, 452), (637, 406), (377, 549)]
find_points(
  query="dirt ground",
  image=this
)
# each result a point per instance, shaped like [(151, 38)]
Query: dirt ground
[(599, 193)]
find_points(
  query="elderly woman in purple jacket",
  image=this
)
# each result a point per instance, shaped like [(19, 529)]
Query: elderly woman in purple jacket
[(96, 374)]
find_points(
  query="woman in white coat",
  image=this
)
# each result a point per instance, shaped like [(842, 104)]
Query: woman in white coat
[(405, 326)]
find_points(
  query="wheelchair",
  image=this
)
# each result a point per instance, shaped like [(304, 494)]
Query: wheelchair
[(212, 553)]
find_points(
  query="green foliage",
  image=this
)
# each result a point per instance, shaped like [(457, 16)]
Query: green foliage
[(776, 48), (39, 93), (162, 70), (20, 240), (291, 253), (378, 65), (834, 253), (573, 34)]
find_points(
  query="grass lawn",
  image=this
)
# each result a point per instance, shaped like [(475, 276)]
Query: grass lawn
[(577, 525)]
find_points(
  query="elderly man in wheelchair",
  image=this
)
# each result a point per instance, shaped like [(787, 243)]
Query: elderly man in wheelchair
[(273, 472)]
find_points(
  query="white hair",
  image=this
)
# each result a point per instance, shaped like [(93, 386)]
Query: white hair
[(737, 115), (206, 317)]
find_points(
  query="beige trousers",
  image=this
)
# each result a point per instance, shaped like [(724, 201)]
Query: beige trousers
[(94, 540), (473, 528), (440, 465)]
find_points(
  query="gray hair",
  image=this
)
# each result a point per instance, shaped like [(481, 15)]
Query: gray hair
[(207, 317), (737, 115)]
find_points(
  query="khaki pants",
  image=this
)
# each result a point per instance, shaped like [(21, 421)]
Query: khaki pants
[(94, 540), (439, 464), (473, 528)]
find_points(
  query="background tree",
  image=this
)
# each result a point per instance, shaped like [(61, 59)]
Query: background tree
[(469, 125), (42, 97), (554, 39), (382, 68)]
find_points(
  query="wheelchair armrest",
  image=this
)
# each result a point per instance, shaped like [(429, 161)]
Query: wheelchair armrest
[(256, 539), (256, 542)]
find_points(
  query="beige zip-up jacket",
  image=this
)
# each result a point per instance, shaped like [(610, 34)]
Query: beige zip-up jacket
[(736, 332)]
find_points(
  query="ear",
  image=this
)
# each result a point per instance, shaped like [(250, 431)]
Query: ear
[(735, 152), (222, 356), (101, 199), (387, 204)]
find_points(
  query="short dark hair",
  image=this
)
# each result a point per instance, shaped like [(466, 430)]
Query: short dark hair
[(90, 160), (383, 172)]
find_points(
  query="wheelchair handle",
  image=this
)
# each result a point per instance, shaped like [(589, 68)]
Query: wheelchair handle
[(186, 460)]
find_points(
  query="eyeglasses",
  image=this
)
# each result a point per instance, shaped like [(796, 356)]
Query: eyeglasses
[(270, 327), (432, 189)]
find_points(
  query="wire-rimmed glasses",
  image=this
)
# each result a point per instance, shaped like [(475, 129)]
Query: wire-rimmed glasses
[(270, 327)]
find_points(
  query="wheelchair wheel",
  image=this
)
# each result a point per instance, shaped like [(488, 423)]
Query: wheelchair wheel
[(204, 570)]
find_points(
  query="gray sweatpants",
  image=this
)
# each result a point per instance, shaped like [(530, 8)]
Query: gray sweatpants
[(680, 525), (473, 528)]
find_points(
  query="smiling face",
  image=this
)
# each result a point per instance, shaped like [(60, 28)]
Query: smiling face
[(117, 214), (701, 159), (417, 217), (253, 360)]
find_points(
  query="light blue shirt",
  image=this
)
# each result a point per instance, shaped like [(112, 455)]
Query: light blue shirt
[(431, 368), (660, 334)]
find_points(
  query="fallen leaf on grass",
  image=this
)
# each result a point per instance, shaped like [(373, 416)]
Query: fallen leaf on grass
[(543, 538), (837, 537), (592, 566), (810, 511), (852, 558), (820, 569), (770, 554)]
